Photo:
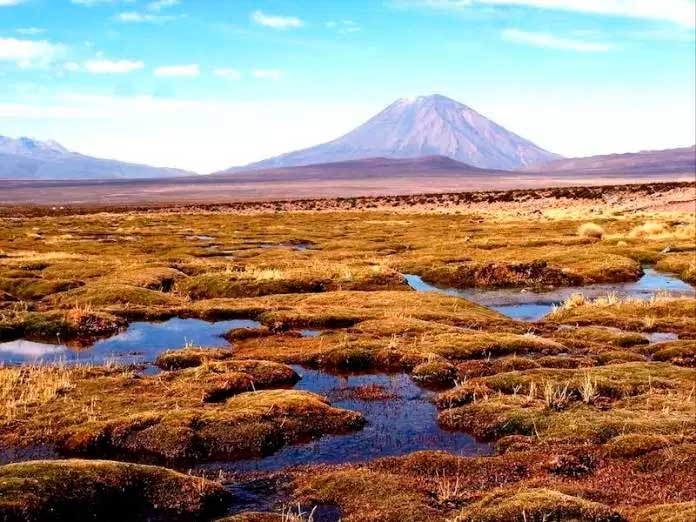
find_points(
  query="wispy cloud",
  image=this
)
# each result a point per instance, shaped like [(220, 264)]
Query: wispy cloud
[(90, 3), (30, 30), (228, 73), (276, 22), (551, 41), (677, 11), (112, 66), (7, 3), (343, 26), (158, 5), (186, 71), (139, 18), (27, 53), (267, 74)]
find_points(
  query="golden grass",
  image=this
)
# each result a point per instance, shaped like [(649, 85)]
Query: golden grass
[(610, 300), (28, 387)]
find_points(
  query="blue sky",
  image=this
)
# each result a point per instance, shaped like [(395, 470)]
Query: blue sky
[(206, 84)]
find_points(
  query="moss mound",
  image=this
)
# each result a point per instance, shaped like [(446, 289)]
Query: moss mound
[(70, 325), (108, 294), (152, 277), (537, 505), (191, 357), (34, 288), (435, 373), (247, 425), (681, 353), (680, 512), (611, 336), (80, 490), (635, 445)]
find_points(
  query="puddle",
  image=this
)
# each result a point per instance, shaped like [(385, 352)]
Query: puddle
[(141, 342), (394, 427), (525, 305), (272, 496), (660, 337), (8, 456), (300, 246), (303, 246), (256, 495), (310, 333)]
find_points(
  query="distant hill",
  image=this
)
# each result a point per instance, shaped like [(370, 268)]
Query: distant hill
[(423, 126), (676, 161), (27, 159), (381, 168)]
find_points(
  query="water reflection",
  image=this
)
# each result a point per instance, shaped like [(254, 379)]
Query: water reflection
[(141, 342), (401, 424), (526, 305)]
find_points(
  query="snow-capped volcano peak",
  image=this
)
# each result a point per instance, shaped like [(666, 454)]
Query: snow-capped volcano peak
[(25, 146), (424, 126), (29, 158)]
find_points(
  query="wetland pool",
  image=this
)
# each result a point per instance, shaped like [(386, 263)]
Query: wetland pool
[(405, 420), (524, 305), (140, 342)]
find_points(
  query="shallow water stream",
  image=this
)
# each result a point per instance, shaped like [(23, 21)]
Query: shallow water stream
[(525, 305)]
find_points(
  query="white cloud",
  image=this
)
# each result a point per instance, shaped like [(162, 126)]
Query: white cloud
[(72, 66), (677, 11), (29, 52), (158, 5), (7, 3), (276, 22), (186, 71), (550, 41), (228, 73), (267, 74), (113, 66), (200, 135)]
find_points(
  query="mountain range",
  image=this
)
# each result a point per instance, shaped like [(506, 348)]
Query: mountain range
[(637, 163), (428, 137), (422, 126), (26, 159)]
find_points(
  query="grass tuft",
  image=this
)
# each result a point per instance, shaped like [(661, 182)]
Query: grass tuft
[(591, 230)]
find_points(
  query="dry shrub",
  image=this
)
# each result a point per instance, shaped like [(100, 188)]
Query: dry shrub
[(573, 301), (297, 515), (649, 230), (591, 230)]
